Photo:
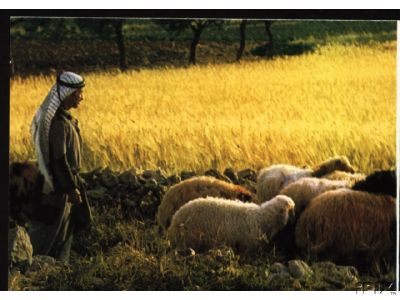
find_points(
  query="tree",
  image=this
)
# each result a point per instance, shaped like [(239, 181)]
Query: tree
[(105, 28), (267, 50), (58, 29), (269, 46), (197, 28), (242, 29), (119, 39), (176, 27)]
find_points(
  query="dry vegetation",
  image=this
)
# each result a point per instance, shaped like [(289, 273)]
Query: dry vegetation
[(299, 110)]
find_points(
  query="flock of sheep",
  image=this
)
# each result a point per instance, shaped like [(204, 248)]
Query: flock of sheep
[(328, 211)]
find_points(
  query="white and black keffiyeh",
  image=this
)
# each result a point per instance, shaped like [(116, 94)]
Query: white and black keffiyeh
[(67, 83)]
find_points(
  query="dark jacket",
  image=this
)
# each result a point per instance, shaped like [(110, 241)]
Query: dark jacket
[(58, 224)]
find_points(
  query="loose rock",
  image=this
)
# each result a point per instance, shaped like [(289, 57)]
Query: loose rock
[(151, 184), (108, 178), (250, 185), (248, 174), (20, 249), (215, 173), (148, 205), (299, 269), (97, 194), (42, 262), (129, 178), (230, 173), (156, 175), (278, 268), (148, 174), (282, 281), (187, 174), (173, 179)]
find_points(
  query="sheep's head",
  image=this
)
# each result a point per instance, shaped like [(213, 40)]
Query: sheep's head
[(338, 163), (281, 212), (342, 163), (285, 206)]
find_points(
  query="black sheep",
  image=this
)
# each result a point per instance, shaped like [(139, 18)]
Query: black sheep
[(379, 182)]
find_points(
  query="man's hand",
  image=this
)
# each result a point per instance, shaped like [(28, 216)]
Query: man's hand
[(75, 197)]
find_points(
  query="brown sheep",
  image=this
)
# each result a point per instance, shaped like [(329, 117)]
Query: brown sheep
[(25, 183), (23, 177), (302, 192), (345, 223), (197, 187)]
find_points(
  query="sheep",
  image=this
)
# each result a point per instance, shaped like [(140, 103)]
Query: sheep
[(305, 189), (211, 222), (337, 163), (379, 182), (271, 180), (349, 177), (197, 187), (23, 177), (25, 185), (345, 223), (301, 192)]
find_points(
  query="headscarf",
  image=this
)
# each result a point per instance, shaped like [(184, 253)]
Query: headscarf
[(67, 83)]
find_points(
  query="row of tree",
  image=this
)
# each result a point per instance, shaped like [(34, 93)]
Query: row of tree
[(114, 27)]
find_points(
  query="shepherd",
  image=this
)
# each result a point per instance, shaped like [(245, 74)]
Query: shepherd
[(58, 145)]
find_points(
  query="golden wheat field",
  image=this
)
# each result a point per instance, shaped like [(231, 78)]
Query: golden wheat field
[(339, 100)]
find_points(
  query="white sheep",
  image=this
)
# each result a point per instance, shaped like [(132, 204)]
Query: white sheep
[(193, 188), (211, 222), (272, 179), (305, 189), (349, 177)]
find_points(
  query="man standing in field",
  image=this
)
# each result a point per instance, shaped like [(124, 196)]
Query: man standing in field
[(58, 145)]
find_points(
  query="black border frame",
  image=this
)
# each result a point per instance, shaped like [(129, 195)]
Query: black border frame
[(317, 14), (4, 146)]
